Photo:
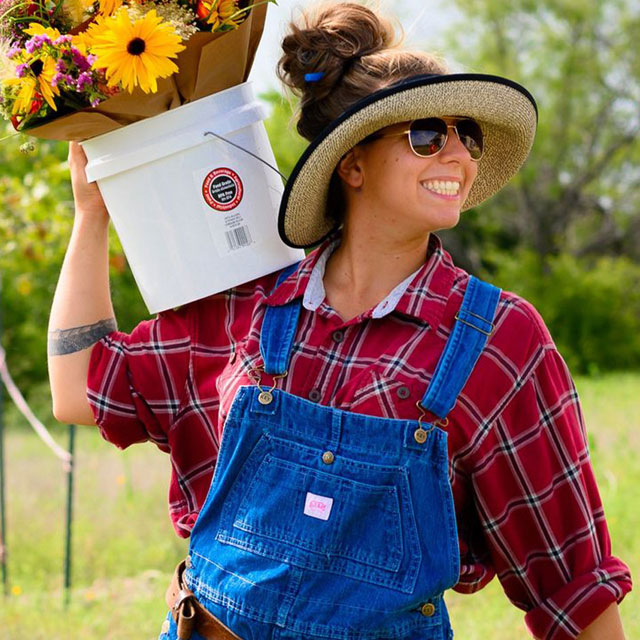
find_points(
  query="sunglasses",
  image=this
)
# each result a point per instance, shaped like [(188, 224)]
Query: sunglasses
[(428, 136)]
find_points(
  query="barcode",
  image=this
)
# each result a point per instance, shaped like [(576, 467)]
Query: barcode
[(239, 237)]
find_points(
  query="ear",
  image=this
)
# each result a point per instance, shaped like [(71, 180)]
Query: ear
[(350, 168)]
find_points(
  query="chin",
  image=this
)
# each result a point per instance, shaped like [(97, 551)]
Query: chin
[(444, 221)]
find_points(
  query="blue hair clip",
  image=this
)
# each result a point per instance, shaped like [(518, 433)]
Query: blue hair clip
[(312, 77)]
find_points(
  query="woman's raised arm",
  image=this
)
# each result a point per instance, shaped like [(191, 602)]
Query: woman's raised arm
[(81, 312)]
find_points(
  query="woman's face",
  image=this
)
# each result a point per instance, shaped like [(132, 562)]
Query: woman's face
[(398, 187)]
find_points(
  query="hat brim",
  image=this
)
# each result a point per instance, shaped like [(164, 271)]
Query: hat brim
[(505, 110)]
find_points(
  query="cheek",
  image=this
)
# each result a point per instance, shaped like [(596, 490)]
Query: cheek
[(392, 177)]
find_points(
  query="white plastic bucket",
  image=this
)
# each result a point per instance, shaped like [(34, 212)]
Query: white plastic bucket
[(195, 215)]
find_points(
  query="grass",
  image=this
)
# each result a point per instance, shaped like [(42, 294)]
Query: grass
[(125, 549)]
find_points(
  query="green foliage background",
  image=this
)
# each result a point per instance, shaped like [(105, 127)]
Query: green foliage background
[(564, 233)]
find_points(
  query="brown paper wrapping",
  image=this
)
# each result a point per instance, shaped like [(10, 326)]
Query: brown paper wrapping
[(210, 63)]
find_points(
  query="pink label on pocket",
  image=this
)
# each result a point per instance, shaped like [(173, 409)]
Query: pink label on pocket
[(317, 506)]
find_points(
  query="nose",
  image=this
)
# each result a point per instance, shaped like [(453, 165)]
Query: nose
[(454, 147)]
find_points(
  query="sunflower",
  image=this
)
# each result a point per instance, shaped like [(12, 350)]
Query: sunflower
[(218, 12), (37, 29), (109, 7), (36, 80), (83, 41), (136, 54)]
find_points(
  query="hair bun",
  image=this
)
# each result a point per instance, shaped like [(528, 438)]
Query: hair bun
[(329, 39), (356, 50)]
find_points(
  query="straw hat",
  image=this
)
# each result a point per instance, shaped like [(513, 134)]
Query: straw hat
[(505, 110)]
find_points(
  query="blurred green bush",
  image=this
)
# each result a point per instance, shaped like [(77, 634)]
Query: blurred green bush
[(591, 306)]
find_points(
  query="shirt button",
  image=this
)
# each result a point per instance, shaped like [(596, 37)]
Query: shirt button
[(187, 562), (314, 395), (338, 335), (403, 391), (427, 609)]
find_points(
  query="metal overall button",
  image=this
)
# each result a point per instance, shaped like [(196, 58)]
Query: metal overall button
[(420, 434), (427, 609), (328, 457), (264, 397)]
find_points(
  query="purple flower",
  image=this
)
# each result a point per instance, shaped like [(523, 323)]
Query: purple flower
[(14, 51), (61, 66), (62, 39), (84, 79), (36, 42), (91, 58), (59, 77), (95, 102), (79, 60), (21, 70)]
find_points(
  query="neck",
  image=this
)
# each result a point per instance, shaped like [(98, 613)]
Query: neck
[(370, 262)]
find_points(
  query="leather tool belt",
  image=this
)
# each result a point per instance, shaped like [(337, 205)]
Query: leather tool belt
[(190, 615)]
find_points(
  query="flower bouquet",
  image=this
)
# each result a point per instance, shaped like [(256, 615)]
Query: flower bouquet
[(75, 69), (156, 92)]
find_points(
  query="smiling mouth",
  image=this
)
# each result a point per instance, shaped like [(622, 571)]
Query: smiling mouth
[(442, 187)]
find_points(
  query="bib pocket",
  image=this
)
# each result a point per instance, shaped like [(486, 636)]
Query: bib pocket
[(350, 518)]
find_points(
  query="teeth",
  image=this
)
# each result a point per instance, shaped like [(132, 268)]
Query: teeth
[(447, 187)]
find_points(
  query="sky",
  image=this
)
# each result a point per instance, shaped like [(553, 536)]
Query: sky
[(422, 20)]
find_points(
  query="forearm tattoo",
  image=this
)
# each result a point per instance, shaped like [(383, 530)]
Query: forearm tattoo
[(63, 341)]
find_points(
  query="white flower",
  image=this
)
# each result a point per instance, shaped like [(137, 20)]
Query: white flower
[(182, 18), (7, 66)]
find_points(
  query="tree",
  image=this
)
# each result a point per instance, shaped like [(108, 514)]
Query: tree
[(578, 191)]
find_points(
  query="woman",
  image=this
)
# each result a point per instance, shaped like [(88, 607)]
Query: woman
[(392, 426)]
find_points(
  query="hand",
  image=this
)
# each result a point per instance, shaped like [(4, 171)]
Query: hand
[(86, 195)]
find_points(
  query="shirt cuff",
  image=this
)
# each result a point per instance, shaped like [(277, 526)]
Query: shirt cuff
[(571, 609)]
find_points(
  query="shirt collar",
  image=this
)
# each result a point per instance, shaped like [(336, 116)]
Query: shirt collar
[(423, 295)]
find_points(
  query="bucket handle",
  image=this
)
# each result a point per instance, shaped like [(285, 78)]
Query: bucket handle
[(237, 146)]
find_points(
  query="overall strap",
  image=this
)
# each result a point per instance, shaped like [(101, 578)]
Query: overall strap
[(474, 325), (279, 329)]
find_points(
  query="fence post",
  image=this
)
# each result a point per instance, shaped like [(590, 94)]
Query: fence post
[(67, 549), (3, 521)]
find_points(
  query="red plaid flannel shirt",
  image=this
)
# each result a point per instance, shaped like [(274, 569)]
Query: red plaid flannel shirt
[(527, 504)]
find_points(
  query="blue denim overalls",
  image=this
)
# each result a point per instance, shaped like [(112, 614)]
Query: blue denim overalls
[(322, 523)]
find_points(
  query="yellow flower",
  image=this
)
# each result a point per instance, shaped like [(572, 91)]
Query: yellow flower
[(38, 78), (136, 54), (108, 7), (83, 41), (36, 29), (16, 590), (222, 11)]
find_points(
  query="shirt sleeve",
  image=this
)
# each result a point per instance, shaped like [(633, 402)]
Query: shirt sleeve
[(136, 381), (540, 509)]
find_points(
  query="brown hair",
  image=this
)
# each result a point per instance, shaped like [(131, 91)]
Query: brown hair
[(359, 52)]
